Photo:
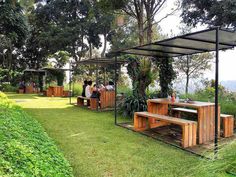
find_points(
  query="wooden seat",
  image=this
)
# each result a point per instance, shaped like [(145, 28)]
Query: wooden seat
[(80, 100), (94, 103), (227, 120), (189, 128), (228, 125)]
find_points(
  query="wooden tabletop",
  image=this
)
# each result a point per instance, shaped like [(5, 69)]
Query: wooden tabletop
[(193, 104)]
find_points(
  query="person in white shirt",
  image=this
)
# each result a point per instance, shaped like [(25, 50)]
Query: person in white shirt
[(88, 89), (110, 86)]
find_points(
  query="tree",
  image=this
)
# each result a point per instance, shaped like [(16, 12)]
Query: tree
[(13, 28), (65, 26), (144, 12), (212, 13), (61, 58), (193, 66)]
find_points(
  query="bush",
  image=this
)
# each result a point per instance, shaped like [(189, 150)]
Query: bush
[(133, 104), (7, 87), (25, 149), (124, 89)]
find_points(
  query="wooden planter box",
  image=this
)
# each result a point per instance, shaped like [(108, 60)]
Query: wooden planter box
[(66, 93), (21, 91), (56, 91), (29, 89)]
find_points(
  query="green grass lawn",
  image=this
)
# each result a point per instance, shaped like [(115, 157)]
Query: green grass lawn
[(94, 146)]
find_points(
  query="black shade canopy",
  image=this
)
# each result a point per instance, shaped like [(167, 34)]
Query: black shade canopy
[(34, 71), (192, 43), (101, 61), (56, 69)]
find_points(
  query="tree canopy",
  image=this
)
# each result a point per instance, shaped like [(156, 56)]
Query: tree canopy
[(212, 13)]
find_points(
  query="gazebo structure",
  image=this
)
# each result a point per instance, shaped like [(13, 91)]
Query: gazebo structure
[(30, 88), (209, 40), (104, 62), (57, 91)]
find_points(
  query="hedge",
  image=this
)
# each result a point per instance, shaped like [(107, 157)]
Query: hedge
[(25, 148)]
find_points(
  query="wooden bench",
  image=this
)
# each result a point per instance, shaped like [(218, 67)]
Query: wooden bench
[(227, 120), (94, 103), (228, 125), (189, 128), (80, 100)]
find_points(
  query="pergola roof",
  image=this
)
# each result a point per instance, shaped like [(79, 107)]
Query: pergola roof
[(56, 69), (34, 70), (101, 61), (192, 43)]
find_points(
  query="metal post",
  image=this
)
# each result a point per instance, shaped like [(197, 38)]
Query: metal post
[(115, 90), (97, 100), (104, 79), (216, 92), (70, 92)]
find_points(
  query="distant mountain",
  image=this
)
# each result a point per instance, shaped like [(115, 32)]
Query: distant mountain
[(230, 85)]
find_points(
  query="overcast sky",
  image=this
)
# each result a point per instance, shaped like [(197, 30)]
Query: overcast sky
[(227, 59)]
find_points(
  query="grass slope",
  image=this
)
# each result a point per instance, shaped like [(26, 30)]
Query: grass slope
[(95, 147), (25, 149)]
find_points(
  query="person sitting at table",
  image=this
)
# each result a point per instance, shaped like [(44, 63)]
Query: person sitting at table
[(88, 92), (96, 92), (102, 87), (84, 87), (110, 86)]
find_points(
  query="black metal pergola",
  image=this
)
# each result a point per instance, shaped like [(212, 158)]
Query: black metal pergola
[(35, 71), (209, 40), (104, 62)]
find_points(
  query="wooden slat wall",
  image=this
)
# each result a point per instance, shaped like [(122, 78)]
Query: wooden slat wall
[(107, 99), (206, 123)]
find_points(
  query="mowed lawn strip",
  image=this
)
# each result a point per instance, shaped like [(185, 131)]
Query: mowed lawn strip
[(94, 146)]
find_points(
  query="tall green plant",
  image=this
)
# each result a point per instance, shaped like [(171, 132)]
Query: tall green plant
[(140, 72), (166, 75)]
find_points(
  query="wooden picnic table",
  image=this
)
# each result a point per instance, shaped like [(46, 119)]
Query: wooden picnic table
[(205, 116)]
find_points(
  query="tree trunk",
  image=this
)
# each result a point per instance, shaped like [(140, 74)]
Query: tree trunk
[(148, 7), (105, 45), (9, 58), (90, 50), (187, 83), (140, 31)]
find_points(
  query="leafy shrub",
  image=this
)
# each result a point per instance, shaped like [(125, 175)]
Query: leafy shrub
[(124, 89), (133, 104), (7, 87), (25, 149)]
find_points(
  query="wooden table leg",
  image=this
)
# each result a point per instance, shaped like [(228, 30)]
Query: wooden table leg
[(139, 123)]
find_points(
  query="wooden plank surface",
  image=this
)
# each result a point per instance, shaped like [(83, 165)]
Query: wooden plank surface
[(194, 104), (165, 118)]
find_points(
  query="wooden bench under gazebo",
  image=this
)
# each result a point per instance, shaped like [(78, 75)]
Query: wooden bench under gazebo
[(107, 97)]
